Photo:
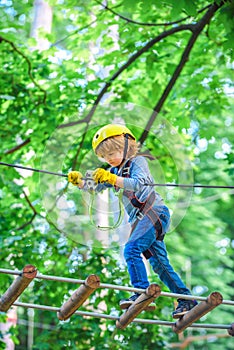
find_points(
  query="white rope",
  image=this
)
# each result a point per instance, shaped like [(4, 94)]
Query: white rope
[(113, 286), (110, 317)]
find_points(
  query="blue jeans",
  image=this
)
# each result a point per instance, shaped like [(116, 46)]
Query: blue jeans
[(142, 238)]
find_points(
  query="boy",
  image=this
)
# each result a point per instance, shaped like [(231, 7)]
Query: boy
[(148, 214)]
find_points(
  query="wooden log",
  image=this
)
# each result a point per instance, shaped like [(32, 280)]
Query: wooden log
[(213, 300), (151, 293), (231, 330), (91, 283), (17, 287)]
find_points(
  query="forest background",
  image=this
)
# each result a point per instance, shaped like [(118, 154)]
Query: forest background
[(165, 68)]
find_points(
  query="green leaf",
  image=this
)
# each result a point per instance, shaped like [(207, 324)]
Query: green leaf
[(190, 8)]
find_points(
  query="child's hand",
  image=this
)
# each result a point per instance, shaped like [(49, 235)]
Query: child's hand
[(75, 177), (101, 175)]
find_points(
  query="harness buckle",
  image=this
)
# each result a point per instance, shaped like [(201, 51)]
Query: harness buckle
[(89, 182), (126, 171), (139, 215)]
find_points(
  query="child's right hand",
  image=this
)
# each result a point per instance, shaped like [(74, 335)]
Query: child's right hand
[(101, 175), (75, 177)]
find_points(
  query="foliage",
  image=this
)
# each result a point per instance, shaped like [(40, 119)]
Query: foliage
[(6, 331), (161, 66), (2, 320)]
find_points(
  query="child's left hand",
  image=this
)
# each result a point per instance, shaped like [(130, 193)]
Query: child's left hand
[(101, 175)]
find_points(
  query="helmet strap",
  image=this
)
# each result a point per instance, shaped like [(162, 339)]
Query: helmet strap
[(126, 136)]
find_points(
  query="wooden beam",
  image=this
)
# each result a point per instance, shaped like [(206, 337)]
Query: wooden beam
[(151, 293), (17, 287), (91, 283), (213, 300), (231, 330)]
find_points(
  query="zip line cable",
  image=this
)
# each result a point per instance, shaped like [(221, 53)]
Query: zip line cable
[(146, 184), (32, 169), (192, 186)]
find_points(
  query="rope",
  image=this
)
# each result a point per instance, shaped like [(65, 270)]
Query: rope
[(110, 317), (32, 169), (146, 184), (113, 286), (192, 186), (120, 215)]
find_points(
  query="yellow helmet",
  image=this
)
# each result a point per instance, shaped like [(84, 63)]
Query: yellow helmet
[(110, 130)]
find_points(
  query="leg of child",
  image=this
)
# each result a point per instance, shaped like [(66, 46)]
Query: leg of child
[(135, 264), (140, 240), (160, 264)]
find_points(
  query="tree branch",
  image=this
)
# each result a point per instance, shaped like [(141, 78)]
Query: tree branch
[(140, 23), (16, 148), (125, 66), (35, 213), (197, 29), (144, 49), (30, 204), (73, 33), (194, 28), (26, 223), (29, 66), (74, 163)]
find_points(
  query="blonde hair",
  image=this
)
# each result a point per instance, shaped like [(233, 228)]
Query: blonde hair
[(117, 143)]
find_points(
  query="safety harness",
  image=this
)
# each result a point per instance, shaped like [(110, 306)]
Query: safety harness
[(145, 208)]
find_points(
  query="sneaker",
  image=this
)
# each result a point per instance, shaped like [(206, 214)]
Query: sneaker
[(183, 307), (126, 303)]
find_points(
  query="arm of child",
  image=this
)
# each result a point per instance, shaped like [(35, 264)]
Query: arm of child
[(140, 174), (119, 182)]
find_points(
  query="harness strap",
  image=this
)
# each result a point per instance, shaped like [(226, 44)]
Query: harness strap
[(145, 208), (155, 219)]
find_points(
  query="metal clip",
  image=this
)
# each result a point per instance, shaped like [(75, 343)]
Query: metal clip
[(89, 182), (140, 215)]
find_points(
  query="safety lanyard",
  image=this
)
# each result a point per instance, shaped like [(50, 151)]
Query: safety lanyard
[(119, 194)]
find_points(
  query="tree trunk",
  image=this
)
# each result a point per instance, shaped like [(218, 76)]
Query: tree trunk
[(42, 23)]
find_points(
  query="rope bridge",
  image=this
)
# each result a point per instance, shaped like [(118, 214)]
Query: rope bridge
[(92, 282)]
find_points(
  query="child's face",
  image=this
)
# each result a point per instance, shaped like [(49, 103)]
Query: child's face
[(114, 158)]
